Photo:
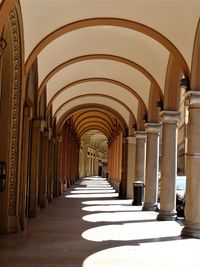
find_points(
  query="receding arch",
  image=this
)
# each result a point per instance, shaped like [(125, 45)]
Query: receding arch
[(88, 112), (95, 106), (195, 70), (172, 80), (93, 125), (117, 22), (98, 79), (86, 95), (103, 57), (92, 118), (5, 8), (94, 128)]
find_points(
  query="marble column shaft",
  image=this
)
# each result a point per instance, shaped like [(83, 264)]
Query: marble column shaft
[(152, 161), (169, 165), (192, 203)]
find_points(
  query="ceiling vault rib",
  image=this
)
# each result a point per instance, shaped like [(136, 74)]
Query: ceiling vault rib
[(108, 109), (86, 95), (102, 57), (117, 22), (97, 79)]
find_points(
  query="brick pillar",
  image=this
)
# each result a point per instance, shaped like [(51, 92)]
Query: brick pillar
[(50, 170), (44, 171), (123, 184), (57, 156), (35, 156)]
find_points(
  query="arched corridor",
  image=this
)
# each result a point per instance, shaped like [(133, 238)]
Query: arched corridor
[(90, 226), (99, 91)]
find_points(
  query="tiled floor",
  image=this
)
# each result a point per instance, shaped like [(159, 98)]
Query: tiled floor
[(90, 227)]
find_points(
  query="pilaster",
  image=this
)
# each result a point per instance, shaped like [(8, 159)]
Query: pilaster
[(33, 198), (44, 171)]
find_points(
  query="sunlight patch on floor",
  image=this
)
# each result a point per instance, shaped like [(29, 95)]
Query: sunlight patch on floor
[(84, 191), (111, 202), (133, 231), (156, 254), (109, 208), (120, 216), (104, 195)]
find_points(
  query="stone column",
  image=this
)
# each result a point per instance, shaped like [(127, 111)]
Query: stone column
[(140, 156), (169, 165), (123, 184), (33, 198), (131, 165), (192, 203), (152, 160)]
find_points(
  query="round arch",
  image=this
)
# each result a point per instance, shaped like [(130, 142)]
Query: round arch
[(117, 22), (195, 73), (85, 95), (93, 119), (90, 113), (100, 107), (99, 128), (93, 125), (102, 57), (98, 79)]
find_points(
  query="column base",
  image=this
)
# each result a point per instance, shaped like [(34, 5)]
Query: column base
[(13, 225), (191, 229), (150, 207), (32, 213), (44, 204), (166, 215)]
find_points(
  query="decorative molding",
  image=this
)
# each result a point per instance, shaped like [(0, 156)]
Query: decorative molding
[(140, 135), (131, 140), (15, 112), (169, 116), (192, 99), (42, 125), (153, 128)]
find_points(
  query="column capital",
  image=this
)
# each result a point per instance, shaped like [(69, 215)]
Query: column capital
[(50, 133), (169, 116), (192, 99), (140, 135), (153, 128), (124, 140), (58, 138), (131, 140), (43, 125)]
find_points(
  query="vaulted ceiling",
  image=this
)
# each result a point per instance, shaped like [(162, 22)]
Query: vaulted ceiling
[(106, 57)]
